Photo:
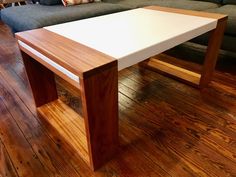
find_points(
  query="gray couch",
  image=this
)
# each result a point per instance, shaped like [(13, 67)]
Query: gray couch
[(33, 16)]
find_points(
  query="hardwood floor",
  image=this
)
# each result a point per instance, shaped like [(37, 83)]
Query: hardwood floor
[(166, 128)]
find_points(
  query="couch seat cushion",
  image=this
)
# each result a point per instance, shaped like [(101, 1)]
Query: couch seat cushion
[(133, 3), (182, 4), (34, 16), (230, 10)]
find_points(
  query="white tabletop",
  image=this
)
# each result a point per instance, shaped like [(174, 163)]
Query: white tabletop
[(135, 35)]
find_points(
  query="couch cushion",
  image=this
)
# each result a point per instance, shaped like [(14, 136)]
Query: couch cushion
[(133, 3), (182, 4), (50, 2), (215, 1), (33, 16), (229, 1), (230, 10)]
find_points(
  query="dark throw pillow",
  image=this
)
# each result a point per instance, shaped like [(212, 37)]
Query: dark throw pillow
[(229, 1), (50, 2), (215, 1)]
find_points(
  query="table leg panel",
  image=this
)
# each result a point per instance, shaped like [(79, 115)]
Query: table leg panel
[(100, 108), (211, 56), (41, 81)]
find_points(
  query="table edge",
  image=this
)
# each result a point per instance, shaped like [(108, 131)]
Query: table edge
[(82, 73), (216, 16)]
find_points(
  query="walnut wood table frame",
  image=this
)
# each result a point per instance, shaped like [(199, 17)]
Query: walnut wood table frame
[(203, 79), (94, 135)]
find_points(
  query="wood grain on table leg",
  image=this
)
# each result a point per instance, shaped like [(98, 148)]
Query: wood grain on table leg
[(165, 68), (200, 80), (100, 108), (41, 81), (213, 48)]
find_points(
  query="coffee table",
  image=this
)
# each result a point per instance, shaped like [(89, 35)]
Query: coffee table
[(89, 53)]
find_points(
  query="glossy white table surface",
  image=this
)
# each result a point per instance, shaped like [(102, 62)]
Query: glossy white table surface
[(135, 35)]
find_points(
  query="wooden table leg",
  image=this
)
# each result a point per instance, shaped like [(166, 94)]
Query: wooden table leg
[(41, 81), (211, 56), (100, 107), (99, 94), (200, 80)]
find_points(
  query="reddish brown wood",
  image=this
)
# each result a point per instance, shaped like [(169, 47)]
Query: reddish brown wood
[(159, 65), (32, 54), (19, 149), (212, 52), (100, 108), (41, 81), (73, 56), (99, 90), (68, 124), (42, 138), (211, 55), (6, 166), (99, 96), (197, 128), (188, 12)]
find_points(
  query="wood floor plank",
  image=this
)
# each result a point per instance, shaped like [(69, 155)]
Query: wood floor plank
[(158, 152), (188, 96), (6, 166), (172, 133), (23, 158), (71, 126), (48, 147), (201, 120), (205, 132), (41, 143), (70, 163), (18, 86), (196, 118)]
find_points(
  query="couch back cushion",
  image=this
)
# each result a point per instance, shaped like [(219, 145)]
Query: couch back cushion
[(229, 1), (50, 2)]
